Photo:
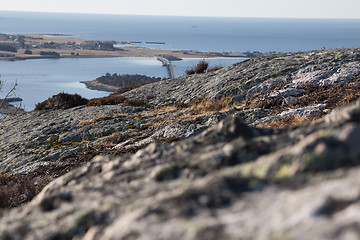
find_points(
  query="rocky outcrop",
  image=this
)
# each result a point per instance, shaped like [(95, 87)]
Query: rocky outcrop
[(256, 75), (230, 182), (222, 177)]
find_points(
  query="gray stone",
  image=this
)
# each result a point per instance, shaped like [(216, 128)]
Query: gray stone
[(225, 180), (285, 92)]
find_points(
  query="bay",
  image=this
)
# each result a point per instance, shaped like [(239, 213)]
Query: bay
[(39, 79)]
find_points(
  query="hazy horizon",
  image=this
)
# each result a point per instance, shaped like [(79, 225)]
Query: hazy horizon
[(119, 14), (318, 9)]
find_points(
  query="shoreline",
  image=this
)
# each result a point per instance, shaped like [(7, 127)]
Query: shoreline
[(96, 86), (66, 47)]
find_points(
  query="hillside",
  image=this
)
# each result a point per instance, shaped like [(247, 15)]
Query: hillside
[(263, 149)]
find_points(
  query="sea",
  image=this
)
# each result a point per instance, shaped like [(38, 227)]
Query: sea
[(38, 79)]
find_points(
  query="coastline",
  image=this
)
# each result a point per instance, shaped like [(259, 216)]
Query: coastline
[(95, 85), (66, 47), (8, 109)]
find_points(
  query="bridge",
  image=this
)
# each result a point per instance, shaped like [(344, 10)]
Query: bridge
[(169, 65)]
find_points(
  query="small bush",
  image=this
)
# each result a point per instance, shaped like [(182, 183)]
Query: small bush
[(190, 71), (51, 54), (61, 101), (109, 100), (201, 67), (27, 51), (114, 99), (198, 69)]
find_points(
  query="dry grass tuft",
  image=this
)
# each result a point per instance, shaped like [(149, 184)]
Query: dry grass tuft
[(206, 105), (289, 121)]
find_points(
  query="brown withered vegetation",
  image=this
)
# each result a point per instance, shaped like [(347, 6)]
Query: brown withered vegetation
[(61, 101), (109, 100), (116, 98), (289, 121), (198, 69), (16, 190), (201, 67), (206, 104), (128, 88), (190, 71), (215, 68)]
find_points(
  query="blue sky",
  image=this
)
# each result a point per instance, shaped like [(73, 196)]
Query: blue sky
[(223, 8)]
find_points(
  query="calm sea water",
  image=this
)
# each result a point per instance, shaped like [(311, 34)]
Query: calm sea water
[(40, 79), (196, 33)]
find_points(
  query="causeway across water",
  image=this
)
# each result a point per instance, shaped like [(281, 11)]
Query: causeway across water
[(169, 65)]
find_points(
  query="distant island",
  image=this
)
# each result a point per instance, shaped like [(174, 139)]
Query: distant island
[(112, 82), (34, 46)]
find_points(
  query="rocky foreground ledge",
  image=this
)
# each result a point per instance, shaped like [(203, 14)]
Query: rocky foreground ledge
[(230, 177)]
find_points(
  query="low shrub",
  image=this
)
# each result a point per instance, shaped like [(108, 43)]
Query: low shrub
[(27, 51), (50, 53), (201, 67), (61, 101), (112, 99), (190, 71), (198, 69)]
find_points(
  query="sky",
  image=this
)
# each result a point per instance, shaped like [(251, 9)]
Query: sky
[(217, 8)]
